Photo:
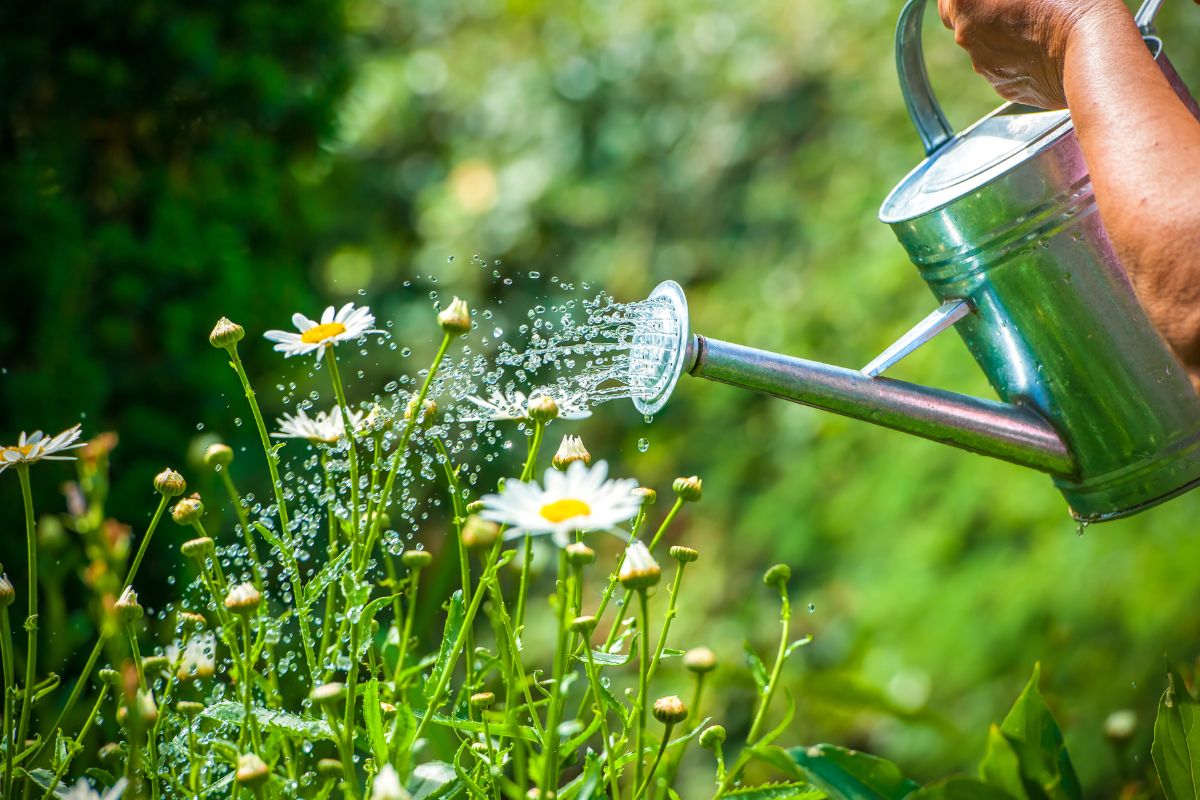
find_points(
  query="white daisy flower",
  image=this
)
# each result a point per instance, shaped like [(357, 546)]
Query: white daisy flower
[(37, 445), (515, 405), (348, 324), (82, 790), (324, 428), (386, 785), (579, 499)]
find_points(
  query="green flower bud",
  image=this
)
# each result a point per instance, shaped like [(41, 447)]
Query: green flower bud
[(479, 533), (640, 570), (218, 455), (188, 510), (331, 694), (700, 660), (329, 768), (579, 554), (647, 495), (189, 708), (243, 599), (778, 576), (169, 483), (416, 559), (8, 595), (670, 710), (689, 489), (684, 555), (455, 319), (542, 408), (198, 548), (482, 700), (584, 625), (475, 506), (127, 607), (226, 334), (251, 770), (712, 737)]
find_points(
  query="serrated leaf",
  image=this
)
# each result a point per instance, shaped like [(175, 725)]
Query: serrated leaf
[(960, 789), (604, 659), (373, 720), (454, 622), (364, 621), (315, 588), (757, 669), (1000, 766), (1035, 737), (292, 725), (272, 537), (850, 775), (1176, 746), (610, 700), (777, 791)]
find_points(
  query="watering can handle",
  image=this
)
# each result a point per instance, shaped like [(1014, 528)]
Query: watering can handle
[(923, 108)]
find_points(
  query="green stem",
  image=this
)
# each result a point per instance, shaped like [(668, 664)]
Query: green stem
[(671, 605), (351, 691), (83, 732), (662, 748), (643, 686), (550, 779), (277, 487), (31, 619), (244, 524), (81, 682), (523, 586), (406, 633), (464, 564), (594, 682), (351, 443), (10, 688)]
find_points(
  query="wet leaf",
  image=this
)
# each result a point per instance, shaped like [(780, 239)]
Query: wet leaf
[(1176, 746), (316, 587), (777, 791), (454, 622), (849, 775), (1035, 737), (373, 720), (292, 725)]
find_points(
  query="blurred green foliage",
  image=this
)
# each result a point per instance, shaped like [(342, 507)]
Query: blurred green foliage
[(165, 163)]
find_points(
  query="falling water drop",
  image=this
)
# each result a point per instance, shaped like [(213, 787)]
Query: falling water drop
[(643, 444)]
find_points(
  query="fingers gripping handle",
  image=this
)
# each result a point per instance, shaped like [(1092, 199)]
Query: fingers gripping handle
[(923, 108)]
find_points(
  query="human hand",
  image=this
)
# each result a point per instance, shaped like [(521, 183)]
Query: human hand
[(1019, 45)]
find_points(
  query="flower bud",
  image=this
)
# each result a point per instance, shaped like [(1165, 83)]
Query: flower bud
[(154, 664), (689, 489), (189, 708), (647, 495), (482, 700), (144, 705), (684, 555), (579, 554), (475, 506), (540, 794), (199, 548), (8, 594), (386, 785), (479, 533), (329, 768), (226, 334), (243, 599), (218, 455), (584, 625), (700, 660), (640, 570), (416, 559), (187, 511), (778, 576), (669, 710), (251, 770), (542, 408), (330, 694), (428, 415), (169, 483), (127, 607), (570, 450), (455, 318), (377, 420), (110, 676), (190, 620), (712, 737)]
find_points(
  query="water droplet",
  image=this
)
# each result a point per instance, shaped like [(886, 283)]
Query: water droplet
[(812, 607), (643, 444)]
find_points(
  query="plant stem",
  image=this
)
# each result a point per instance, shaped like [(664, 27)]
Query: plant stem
[(81, 682), (244, 524), (671, 604), (550, 753), (351, 443), (10, 688), (643, 685), (594, 681), (662, 748), (31, 619), (277, 487), (87, 726)]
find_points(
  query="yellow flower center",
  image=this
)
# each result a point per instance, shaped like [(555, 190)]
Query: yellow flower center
[(319, 333), (565, 509), (23, 450)]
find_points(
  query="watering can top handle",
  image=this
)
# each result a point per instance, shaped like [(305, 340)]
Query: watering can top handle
[(923, 108)]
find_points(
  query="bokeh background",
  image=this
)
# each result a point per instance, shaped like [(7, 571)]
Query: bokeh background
[(165, 163)]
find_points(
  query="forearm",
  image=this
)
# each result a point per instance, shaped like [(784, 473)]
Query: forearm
[(1142, 146)]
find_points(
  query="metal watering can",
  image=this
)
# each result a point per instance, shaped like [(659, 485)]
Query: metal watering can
[(1001, 222)]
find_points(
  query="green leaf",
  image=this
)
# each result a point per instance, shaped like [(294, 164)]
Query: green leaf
[(373, 719), (316, 587), (292, 725), (607, 697), (604, 659), (960, 789), (850, 775), (757, 668), (777, 791), (364, 621), (1176, 746), (434, 780), (1000, 767), (796, 645), (454, 622), (1046, 767), (272, 537)]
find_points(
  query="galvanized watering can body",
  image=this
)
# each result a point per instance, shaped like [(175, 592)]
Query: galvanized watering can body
[(1001, 222), (1003, 216)]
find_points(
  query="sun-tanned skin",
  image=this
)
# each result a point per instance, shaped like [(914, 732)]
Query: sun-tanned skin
[(1141, 143)]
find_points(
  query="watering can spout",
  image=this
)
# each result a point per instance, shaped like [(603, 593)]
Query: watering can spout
[(1008, 432)]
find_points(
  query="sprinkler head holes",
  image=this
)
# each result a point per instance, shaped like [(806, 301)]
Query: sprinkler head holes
[(660, 347)]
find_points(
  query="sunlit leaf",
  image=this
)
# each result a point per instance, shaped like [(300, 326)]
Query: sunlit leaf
[(777, 791), (1038, 743), (454, 622), (1176, 746), (849, 775), (961, 789)]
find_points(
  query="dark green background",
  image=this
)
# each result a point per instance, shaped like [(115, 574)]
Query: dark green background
[(165, 163)]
